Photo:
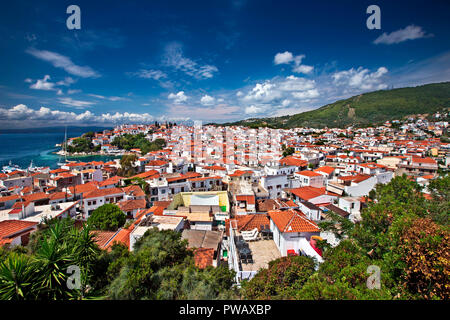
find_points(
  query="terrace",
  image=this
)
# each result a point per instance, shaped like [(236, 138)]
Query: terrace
[(248, 257)]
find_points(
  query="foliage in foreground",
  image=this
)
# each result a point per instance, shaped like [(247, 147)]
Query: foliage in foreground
[(401, 232), (160, 267), (107, 217)]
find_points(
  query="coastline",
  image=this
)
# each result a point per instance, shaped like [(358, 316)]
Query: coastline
[(91, 154)]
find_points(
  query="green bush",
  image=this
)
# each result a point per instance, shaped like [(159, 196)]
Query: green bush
[(107, 217)]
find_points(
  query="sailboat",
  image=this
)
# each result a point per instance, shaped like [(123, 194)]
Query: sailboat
[(64, 145)]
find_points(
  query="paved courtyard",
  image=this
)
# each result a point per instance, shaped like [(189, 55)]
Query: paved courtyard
[(263, 251)]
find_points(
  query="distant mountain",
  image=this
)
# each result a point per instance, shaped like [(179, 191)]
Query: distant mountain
[(365, 109)]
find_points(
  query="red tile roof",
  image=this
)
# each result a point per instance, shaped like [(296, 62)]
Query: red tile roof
[(308, 193), (102, 237), (9, 228), (250, 199), (36, 196), (9, 198), (102, 193), (203, 257), (309, 173), (134, 190), (59, 195), (147, 174), (83, 188), (325, 169), (292, 221), (293, 161), (129, 205), (239, 173), (423, 160)]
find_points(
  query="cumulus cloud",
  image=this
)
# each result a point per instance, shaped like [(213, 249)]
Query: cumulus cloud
[(46, 85), (207, 100), (296, 62), (278, 89), (254, 109), (63, 62), (178, 98), (42, 84), (361, 78), (410, 32), (174, 58), (283, 58), (24, 115)]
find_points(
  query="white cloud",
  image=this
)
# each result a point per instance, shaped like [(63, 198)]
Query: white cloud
[(42, 84), (285, 102), (63, 62), (24, 115), (278, 89), (173, 57), (207, 100), (303, 69), (73, 91), (296, 61), (263, 92), (254, 109), (66, 82), (361, 78), (410, 32), (113, 98), (75, 103), (306, 95), (283, 58), (178, 98), (150, 74)]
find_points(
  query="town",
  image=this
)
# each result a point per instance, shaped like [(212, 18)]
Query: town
[(241, 197)]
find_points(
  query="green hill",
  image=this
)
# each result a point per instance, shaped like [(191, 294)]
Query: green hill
[(365, 109)]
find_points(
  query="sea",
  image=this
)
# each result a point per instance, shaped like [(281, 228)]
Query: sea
[(21, 146)]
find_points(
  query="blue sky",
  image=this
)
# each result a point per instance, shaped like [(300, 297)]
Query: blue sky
[(216, 61)]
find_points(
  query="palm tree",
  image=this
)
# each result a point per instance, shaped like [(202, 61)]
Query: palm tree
[(17, 276), (85, 252)]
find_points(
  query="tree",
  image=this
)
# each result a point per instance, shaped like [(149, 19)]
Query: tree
[(162, 267), (439, 206), (281, 280), (343, 275), (107, 217), (424, 254), (16, 277), (288, 151), (127, 168)]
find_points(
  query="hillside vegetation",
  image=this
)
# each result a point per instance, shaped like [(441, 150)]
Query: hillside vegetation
[(365, 109)]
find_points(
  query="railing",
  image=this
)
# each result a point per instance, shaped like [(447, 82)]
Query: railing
[(233, 261)]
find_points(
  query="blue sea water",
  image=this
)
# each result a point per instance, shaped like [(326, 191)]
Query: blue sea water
[(22, 148)]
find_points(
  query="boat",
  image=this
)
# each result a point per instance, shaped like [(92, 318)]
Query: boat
[(64, 145), (10, 168), (32, 168)]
